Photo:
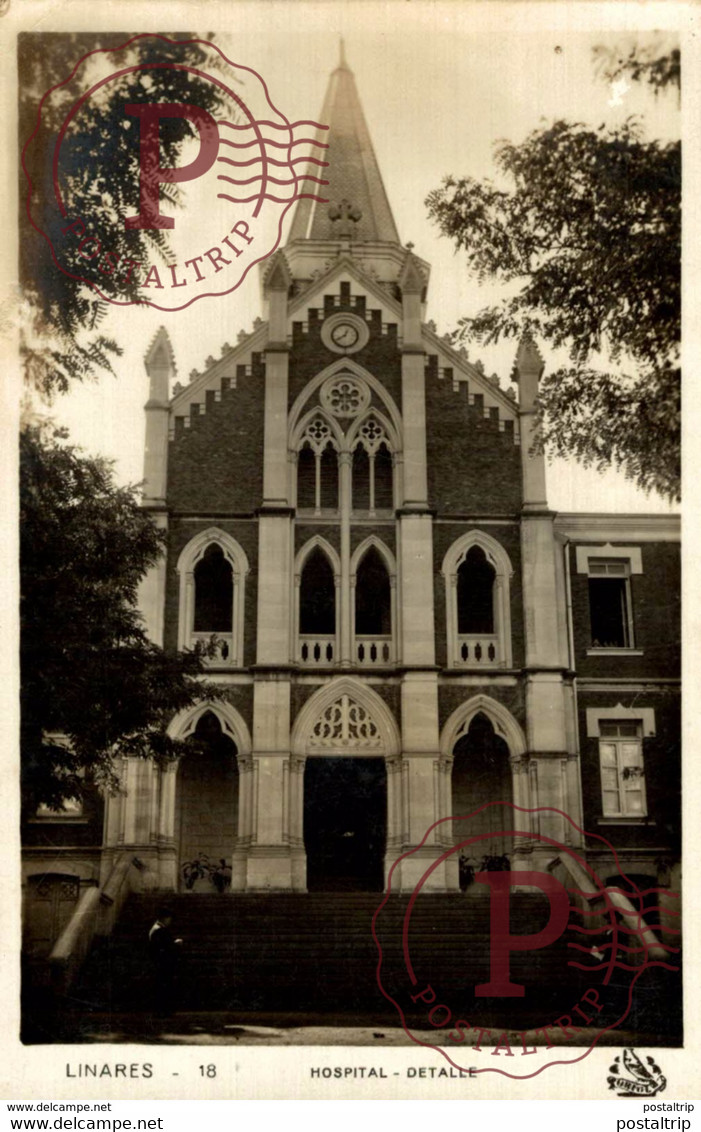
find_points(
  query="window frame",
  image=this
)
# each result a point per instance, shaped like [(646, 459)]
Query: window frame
[(316, 543), (317, 446), (373, 542), (76, 815), (619, 742), (501, 595), (192, 553), (630, 558)]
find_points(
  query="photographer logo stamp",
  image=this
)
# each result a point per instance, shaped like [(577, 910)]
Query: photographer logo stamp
[(634, 1076)]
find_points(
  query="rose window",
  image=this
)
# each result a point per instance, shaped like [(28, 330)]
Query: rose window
[(345, 396)]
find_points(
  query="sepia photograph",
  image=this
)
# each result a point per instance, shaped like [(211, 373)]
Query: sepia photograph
[(350, 536)]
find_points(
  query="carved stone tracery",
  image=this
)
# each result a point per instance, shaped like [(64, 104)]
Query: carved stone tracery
[(344, 396), (345, 725)]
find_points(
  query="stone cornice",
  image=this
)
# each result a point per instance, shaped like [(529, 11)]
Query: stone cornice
[(618, 528)]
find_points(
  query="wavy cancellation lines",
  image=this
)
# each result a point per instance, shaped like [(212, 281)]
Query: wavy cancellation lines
[(254, 158)]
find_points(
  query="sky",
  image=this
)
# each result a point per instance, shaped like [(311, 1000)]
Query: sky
[(440, 84)]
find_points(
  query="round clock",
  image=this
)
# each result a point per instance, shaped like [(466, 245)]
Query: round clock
[(345, 335)]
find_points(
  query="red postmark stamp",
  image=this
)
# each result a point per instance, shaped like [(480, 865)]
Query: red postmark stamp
[(528, 965), (160, 172)]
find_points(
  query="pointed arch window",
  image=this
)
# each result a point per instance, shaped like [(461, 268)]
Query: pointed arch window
[(373, 583), (214, 592), (317, 610), (317, 467), (475, 594), (212, 570), (345, 445), (477, 574), (373, 473)]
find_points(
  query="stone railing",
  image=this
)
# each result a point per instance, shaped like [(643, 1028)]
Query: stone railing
[(372, 651), (319, 649), (223, 648), (96, 914), (478, 650)]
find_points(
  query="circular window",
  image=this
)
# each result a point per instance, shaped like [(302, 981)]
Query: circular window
[(344, 395)]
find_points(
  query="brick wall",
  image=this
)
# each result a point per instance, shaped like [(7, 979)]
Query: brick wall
[(380, 357), (451, 696), (472, 466), (662, 760), (217, 464), (656, 616)]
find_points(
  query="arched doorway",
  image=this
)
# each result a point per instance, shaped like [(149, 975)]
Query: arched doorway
[(345, 823), (207, 803), (344, 804), (481, 773)]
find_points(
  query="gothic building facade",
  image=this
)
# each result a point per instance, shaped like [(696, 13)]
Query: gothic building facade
[(404, 630)]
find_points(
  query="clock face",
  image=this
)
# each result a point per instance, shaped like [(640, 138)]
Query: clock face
[(344, 335)]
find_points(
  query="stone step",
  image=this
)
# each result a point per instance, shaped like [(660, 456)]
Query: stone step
[(310, 951)]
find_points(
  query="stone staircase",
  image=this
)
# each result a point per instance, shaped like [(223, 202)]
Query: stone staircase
[(314, 955)]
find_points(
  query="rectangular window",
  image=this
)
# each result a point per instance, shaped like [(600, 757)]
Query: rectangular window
[(610, 608), (622, 769)]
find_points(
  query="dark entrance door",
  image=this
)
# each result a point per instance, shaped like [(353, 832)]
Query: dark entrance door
[(207, 807), (481, 774), (345, 824)]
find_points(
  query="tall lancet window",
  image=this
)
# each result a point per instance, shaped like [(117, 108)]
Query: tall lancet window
[(214, 592), (317, 610), (373, 488), (373, 610), (317, 468), (212, 570), (475, 593), (345, 435), (477, 573), (373, 580)]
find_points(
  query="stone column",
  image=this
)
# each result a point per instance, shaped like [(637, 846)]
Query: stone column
[(346, 608), (268, 857), (160, 367), (546, 635), (239, 862), (421, 801), (269, 865)]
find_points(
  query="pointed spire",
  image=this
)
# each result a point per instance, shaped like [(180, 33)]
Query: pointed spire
[(160, 366), (529, 359), (411, 278), (277, 275), (527, 371), (160, 352), (357, 208), (342, 61)]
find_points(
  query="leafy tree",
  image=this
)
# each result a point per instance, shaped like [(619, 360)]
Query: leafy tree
[(654, 62), (89, 671), (587, 240), (100, 184)]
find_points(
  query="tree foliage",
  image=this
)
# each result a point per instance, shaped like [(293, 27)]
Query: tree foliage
[(89, 671), (100, 184), (586, 240), (654, 62)]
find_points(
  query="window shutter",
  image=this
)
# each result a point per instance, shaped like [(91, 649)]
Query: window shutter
[(609, 779)]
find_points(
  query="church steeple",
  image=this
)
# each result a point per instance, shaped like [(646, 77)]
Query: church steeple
[(358, 208)]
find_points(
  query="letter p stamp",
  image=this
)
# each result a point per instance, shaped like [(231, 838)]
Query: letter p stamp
[(526, 962), (179, 138)]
